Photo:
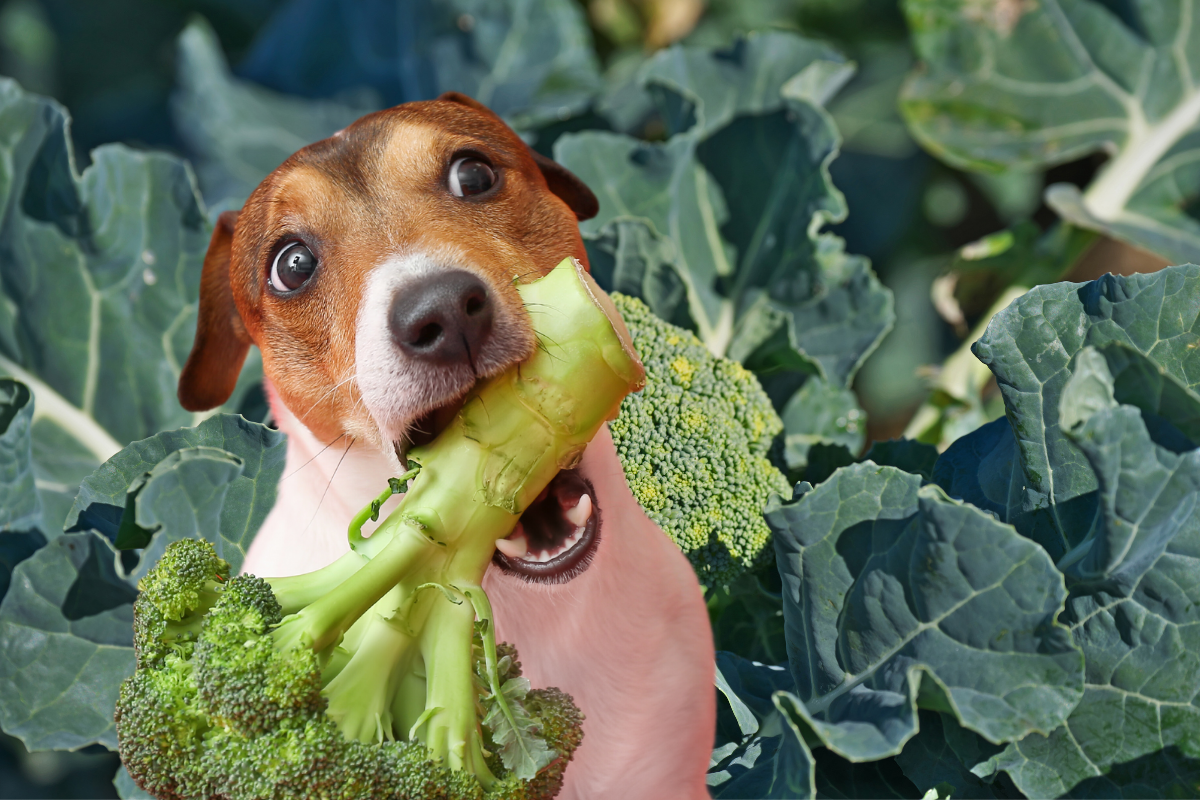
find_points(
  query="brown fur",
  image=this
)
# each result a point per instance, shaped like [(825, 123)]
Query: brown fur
[(374, 189)]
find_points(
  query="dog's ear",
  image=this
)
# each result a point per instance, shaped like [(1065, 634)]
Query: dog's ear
[(570, 189), (562, 181), (221, 343)]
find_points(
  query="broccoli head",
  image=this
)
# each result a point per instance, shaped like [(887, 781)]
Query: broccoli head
[(694, 445), (244, 719), (380, 675)]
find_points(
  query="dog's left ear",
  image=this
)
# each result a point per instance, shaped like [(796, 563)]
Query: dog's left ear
[(562, 181), (219, 349)]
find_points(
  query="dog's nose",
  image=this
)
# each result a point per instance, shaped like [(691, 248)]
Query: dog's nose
[(443, 319)]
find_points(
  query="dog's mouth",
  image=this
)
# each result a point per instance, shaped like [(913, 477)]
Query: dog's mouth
[(425, 428), (556, 538)]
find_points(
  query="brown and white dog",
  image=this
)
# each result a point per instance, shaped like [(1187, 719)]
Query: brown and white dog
[(375, 270)]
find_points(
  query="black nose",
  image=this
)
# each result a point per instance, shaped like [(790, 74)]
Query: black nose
[(443, 319)]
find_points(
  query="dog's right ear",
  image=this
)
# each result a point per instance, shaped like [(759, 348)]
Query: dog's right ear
[(221, 343)]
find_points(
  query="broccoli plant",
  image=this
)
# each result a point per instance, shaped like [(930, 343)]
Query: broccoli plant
[(379, 675)]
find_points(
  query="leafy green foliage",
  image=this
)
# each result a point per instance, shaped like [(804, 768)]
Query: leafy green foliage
[(943, 636), (1026, 85), (98, 292), (531, 61), (716, 229)]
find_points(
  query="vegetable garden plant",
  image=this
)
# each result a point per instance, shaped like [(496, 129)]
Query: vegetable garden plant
[(1002, 604)]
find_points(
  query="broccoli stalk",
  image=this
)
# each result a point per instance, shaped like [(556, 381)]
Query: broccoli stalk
[(393, 645)]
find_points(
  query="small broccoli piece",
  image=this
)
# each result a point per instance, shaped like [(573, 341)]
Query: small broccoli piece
[(173, 601), (694, 446), (379, 675)]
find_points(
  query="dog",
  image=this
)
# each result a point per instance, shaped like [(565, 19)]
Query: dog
[(376, 270)]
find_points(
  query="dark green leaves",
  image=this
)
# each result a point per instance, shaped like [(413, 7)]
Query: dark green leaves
[(894, 592), (66, 643), (99, 275), (717, 228), (215, 481), (531, 61), (1027, 85), (1030, 347), (66, 622)]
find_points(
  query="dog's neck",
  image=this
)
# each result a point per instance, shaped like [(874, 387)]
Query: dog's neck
[(323, 486)]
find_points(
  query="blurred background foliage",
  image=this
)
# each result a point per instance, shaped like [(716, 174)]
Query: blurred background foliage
[(113, 64)]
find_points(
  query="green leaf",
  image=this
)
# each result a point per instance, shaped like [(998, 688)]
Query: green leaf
[(906, 454), (712, 87), (820, 414), (940, 754), (760, 750), (718, 227), (1133, 612), (66, 643), (530, 61), (894, 594), (1027, 85), (101, 273), (20, 507), (1030, 346), (747, 619), (216, 481), (239, 131), (515, 733)]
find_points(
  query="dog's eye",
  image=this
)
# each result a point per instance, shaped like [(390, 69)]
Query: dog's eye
[(470, 176), (292, 268)]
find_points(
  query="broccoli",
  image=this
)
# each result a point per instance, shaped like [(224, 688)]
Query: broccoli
[(694, 444), (379, 675)]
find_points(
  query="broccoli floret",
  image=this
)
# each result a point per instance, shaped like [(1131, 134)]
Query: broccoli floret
[(379, 675), (694, 446)]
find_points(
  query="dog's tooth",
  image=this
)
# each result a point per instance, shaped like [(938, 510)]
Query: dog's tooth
[(515, 546), (578, 516)]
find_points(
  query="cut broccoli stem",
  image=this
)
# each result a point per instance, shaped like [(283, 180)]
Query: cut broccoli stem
[(321, 624)]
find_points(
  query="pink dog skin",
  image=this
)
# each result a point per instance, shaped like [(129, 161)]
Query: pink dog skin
[(629, 639)]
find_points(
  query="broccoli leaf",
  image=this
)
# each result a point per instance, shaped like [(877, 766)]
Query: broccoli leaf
[(516, 739), (1030, 346), (99, 274), (895, 594), (216, 481), (66, 643), (66, 623), (20, 506), (760, 751), (1132, 612), (717, 228), (940, 753), (530, 61), (1026, 85)]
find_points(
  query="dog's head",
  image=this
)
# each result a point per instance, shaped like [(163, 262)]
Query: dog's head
[(376, 271)]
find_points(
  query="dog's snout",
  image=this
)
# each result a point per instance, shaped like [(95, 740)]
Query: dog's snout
[(444, 319)]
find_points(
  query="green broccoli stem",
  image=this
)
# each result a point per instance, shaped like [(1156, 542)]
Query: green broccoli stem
[(450, 728), (360, 696), (297, 591), (468, 488), (321, 624)]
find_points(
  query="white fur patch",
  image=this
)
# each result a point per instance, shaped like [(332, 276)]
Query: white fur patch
[(397, 389)]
